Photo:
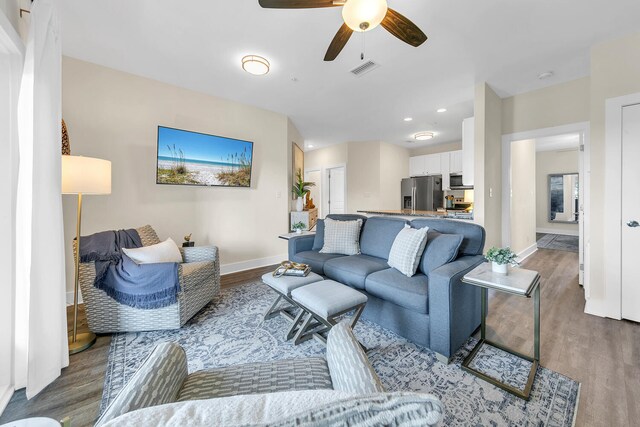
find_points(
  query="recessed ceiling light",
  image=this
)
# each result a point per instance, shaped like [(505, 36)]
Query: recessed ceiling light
[(442, 110), (423, 136), (310, 145), (408, 119), (545, 75), (256, 65)]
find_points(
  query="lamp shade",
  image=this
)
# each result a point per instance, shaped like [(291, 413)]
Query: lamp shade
[(364, 15), (85, 175)]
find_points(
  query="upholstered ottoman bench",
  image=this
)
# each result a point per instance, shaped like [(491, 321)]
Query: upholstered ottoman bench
[(283, 286), (321, 303)]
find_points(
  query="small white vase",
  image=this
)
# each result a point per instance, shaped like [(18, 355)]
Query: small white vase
[(299, 204), (499, 268), (298, 231)]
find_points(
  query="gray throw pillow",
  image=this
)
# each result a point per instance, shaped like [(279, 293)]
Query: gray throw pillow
[(441, 249), (407, 250), (341, 237), (318, 240), (386, 409)]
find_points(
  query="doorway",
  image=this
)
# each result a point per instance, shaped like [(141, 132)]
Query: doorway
[(335, 192), (569, 219), (622, 222)]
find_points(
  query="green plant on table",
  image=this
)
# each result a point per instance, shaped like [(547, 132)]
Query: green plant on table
[(299, 226), (301, 187), (502, 256)]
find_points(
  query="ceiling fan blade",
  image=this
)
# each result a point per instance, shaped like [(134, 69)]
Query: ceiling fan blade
[(403, 28), (296, 4), (339, 41)]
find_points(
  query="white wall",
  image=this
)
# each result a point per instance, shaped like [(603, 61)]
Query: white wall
[(487, 209), (114, 116), (523, 199), (552, 162), (615, 71), (394, 166)]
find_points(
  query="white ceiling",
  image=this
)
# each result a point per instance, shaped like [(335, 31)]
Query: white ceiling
[(198, 44)]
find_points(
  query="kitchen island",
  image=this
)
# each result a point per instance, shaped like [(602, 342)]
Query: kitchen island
[(411, 214)]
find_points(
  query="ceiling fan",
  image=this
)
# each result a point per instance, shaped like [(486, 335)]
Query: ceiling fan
[(359, 16)]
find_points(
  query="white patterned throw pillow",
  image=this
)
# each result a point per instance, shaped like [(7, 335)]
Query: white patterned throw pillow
[(407, 249), (341, 237)]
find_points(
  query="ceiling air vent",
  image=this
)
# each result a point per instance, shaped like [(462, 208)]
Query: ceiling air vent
[(363, 69)]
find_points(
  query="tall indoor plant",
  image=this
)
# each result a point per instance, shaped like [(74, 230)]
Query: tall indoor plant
[(300, 189)]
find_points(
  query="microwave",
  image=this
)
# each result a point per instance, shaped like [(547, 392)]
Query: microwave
[(455, 183)]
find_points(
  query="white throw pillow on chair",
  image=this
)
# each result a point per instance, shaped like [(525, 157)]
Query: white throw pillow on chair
[(166, 251)]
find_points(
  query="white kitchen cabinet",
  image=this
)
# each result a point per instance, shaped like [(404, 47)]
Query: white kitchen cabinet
[(445, 164), (433, 164), (455, 162), (416, 166), (468, 150)]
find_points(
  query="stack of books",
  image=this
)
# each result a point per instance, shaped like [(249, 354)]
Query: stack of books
[(297, 270)]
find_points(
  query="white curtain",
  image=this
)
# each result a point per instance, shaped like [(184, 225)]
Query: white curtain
[(41, 328)]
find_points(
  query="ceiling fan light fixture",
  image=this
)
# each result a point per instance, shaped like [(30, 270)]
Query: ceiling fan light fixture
[(364, 15), (256, 65), (423, 136)]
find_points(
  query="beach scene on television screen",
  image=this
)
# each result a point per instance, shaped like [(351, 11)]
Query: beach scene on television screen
[(191, 158)]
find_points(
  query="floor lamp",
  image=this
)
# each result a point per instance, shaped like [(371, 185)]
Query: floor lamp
[(83, 176)]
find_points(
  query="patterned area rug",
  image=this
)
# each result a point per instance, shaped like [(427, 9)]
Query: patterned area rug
[(231, 331), (559, 242)]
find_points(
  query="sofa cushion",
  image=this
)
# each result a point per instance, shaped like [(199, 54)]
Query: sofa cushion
[(378, 235), (341, 237), (318, 241), (353, 270), (440, 250), (393, 286), (407, 250), (315, 260), (474, 234)]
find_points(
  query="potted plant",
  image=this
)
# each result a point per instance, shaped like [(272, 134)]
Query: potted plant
[(298, 227), (300, 189), (500, 258)]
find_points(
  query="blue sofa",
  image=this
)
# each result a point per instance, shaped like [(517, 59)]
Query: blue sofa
[(433, 308)]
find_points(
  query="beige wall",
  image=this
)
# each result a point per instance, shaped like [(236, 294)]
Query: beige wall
[(394, 166), (114, 116), (615, 71), (523, 199), (435, 149), (374, 171), (488, 163), (551, 162), (11, 8), (548, 107)]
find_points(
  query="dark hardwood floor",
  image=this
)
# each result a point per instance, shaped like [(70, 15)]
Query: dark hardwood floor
[(602, 354)]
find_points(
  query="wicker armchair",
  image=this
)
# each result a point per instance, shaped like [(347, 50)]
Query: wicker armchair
[(199, 277)]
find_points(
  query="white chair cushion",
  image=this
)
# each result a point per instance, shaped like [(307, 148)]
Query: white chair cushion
[(407, 249), (341, 237), (166, 251)]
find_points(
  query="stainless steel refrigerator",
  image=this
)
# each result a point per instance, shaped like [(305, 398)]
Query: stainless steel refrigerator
[(423, 193)]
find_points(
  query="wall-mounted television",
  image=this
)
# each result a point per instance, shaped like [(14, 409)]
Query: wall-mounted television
[(193, 158)]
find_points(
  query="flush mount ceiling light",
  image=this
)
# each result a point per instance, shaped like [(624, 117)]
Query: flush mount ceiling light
[(364, 15), (256, 65), (441, 110), (408, 119), (423, 136)]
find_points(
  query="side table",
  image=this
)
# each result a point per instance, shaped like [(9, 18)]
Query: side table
[(518, 281)]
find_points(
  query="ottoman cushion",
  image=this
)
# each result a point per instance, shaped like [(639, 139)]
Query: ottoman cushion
[(286, 284), (328, 298)]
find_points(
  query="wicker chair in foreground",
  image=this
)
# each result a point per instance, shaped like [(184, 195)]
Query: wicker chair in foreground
[(199, 282)]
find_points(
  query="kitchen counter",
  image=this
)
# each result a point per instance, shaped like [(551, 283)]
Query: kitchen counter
[(413, 214)]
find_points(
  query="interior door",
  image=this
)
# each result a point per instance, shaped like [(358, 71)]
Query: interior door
[(336, 199), (630, 212)]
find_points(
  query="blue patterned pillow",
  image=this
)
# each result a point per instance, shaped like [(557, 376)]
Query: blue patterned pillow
[(341, 237)]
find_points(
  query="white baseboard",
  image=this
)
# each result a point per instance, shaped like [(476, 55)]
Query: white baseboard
[(526, 253), (70, 298), (558, 231), (5, 396), (252, 263)]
